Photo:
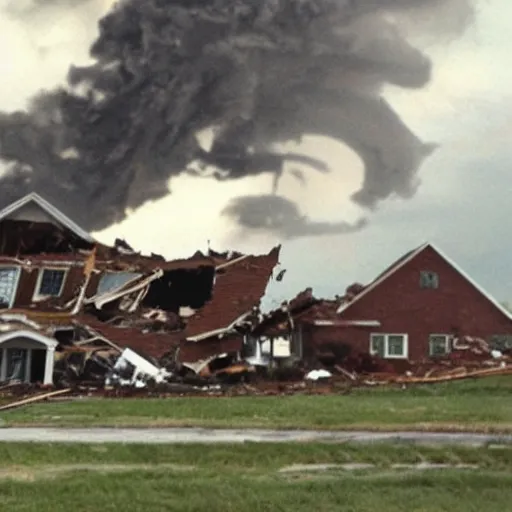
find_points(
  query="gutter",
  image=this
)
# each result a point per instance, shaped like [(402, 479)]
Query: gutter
[(347, 323)]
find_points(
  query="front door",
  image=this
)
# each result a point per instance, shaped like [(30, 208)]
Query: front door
[(37, 365)]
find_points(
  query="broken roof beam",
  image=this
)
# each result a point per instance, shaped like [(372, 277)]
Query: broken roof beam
[(232, 262)]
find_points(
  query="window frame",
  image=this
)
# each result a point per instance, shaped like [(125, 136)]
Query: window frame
[(16, 281), (430, 272), (447, 341), (108, 273), (37, 296), (387, 355)]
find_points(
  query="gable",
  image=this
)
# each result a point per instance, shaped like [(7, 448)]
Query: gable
[(404, 275), (32, 212), (33, 208)]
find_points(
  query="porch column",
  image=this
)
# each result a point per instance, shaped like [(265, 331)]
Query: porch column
[(299, 342), (258, 349), (3, 366), (48, 366), (28, 365)]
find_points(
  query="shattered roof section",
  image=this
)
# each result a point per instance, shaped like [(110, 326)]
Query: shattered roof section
[(305, 308), (323, 310), (276, 322), (302, 300), (111, 259), (153, 344), (240, 283), (223, 257)]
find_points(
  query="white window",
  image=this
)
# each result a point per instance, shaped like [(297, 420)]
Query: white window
[(50, 283), (9, 277), (438, 344), (113, 280), (389, 346)]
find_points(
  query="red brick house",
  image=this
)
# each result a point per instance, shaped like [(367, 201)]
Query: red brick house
[(414, 309)]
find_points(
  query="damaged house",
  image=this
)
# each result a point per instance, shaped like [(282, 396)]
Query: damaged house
[(424, 306), (71, 306)]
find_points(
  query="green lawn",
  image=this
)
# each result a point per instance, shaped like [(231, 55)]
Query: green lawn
[(471, 405), (131, 478)]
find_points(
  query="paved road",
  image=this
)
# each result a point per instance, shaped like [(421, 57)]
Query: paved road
[(199, 435)]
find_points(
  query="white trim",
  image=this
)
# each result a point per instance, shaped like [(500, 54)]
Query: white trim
[(16, 282), (486, 294), (50, 210), (36, 297), (347, 323), (50, 345), (48, 365), (411, 256), (447, 339), (386, 335), (49, 263), (16, 317), (48, 342)]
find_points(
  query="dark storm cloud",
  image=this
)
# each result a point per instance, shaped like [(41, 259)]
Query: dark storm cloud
[(256, 72)]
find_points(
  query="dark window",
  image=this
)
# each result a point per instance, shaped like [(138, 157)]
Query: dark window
[(396, 345), (16, 363), (378, 345), (429, 279), (439, 344), (51, 282)]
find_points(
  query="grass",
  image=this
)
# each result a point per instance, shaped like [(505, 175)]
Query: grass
[(82, 478), (250, 456), (483, 405)]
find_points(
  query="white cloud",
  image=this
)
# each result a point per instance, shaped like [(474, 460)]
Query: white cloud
[(42, 45)]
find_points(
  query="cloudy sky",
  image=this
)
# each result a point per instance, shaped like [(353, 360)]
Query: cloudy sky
[(463, 204)]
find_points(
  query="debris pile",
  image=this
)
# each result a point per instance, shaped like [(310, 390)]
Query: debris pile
[(87, 318)]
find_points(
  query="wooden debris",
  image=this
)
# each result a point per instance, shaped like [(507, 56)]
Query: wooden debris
[(34, 399)]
